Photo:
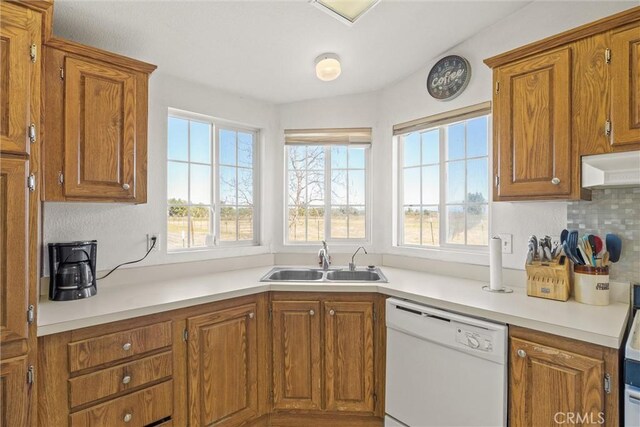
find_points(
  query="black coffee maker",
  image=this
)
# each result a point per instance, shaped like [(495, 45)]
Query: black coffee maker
[(72, 267)]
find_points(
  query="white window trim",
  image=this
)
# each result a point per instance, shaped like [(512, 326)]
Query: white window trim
[(214, 225), (327, 201), (443, 246)]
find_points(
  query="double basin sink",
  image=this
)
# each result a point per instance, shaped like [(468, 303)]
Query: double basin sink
[(288, 274)]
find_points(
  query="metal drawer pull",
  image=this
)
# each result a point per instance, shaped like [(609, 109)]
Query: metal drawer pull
[(555, 181), (125, 186), (311, 312), (332, 312), (127, 417), (126, 379), (126, 346), (522, 353), (251, 315)]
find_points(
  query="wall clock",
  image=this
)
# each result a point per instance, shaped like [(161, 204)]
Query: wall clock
[(449, 77)]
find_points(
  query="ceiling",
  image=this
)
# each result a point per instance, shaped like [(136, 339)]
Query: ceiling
[(266, 49)]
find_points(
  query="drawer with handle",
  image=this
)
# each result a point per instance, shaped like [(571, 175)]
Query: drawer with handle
[(120, 345), (107, 382), (133, 410)]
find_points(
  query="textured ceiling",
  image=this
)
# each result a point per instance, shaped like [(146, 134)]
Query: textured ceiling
[(266, 49)]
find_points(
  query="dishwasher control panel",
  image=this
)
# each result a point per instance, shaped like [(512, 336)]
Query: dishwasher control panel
[(474, 339)]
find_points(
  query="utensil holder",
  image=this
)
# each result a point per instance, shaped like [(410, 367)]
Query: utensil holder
[(591, 284), (549, 279)]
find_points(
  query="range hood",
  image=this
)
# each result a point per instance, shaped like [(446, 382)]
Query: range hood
[(611, 170)]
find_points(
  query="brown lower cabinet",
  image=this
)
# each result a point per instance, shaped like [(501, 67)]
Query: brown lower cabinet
[(557, 381), (283, 359)]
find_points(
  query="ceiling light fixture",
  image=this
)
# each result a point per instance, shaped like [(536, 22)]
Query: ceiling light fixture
[(328, 67), (346, 11)]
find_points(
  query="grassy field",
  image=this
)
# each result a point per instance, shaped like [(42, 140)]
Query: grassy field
[(340, 229), (478, 234), (177, 229)]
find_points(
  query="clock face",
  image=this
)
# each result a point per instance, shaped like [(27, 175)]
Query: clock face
[(449, 77)]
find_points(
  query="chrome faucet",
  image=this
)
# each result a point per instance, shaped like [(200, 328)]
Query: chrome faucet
[(352, 264), (324, 259)]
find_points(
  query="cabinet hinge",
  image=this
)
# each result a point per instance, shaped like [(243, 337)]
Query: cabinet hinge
[(30, 375), (607, 128), (31, 314), (497, 181), (33, 52), (31, 182), (61, 73), (497, 87), (270, 313), (607, 383), (375, 401), (607, 56), (271, 396), (375, 316), (60, 178), (32, 133), (185, 335)]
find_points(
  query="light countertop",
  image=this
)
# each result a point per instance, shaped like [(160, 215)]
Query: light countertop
[(603, 325)]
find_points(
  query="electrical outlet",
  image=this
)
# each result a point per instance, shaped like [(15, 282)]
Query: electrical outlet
[(507, 240), (150, 242)]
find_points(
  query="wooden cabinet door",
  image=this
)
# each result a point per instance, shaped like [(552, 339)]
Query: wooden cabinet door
[(100, 130), (547, 384), (19, 76), (532, 147), (625, 86), (14, 283), (223, 367), (296, 355), (349, 356), (14, 392)]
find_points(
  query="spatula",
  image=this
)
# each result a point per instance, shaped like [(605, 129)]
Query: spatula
[(614, 247)]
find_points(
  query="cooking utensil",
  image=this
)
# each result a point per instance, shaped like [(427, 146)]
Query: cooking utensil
[(568, 253), (585, 251), (572, 241), (605, 258), (563, 235), (599, 244), (614, 247)]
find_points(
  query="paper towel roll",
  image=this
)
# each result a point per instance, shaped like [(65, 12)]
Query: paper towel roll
[(495, 264)]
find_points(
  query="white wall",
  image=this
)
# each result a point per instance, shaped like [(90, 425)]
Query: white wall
[(408, 99), (121, 228)]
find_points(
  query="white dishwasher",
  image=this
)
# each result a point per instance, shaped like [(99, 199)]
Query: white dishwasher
[(444, 369)]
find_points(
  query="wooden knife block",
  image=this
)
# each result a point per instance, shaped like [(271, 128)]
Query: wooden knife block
[(549, 279)]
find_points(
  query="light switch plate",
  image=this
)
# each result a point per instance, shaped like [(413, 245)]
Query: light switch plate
[(507, 241)]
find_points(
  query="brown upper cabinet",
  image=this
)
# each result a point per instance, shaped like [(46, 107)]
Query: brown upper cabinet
[(19, 78), (96, 125), (560, 98), (625, 86), (533, 126)]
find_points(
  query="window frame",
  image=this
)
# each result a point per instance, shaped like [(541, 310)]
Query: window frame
[(327, 197), (214, 217), (441, 126)]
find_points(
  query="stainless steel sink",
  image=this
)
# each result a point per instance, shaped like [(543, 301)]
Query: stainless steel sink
[(353, 276), (288, 274), (293, 275)]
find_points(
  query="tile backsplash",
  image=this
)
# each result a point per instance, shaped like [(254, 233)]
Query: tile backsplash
[(612, 210)]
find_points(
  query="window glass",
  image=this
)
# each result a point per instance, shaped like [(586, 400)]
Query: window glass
[(444, 199), (326, 193)]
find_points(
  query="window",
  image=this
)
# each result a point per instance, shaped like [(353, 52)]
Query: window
[(210, 183), (326, 189), (444, 184)]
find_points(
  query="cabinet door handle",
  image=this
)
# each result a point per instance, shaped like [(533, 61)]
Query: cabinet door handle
[(127, 417), (555, 181), (126, 346), (332, 312), (522, 353), (126, 379), (32, 133), (125, 186), (311, 312)]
